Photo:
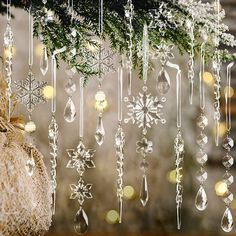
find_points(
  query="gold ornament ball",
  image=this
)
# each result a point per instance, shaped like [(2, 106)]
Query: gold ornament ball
[(30, 127)]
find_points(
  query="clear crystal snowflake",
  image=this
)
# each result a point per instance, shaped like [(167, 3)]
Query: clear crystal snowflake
[(81, 191), (144, 146), (29, 92), (80, 158), (106, 61), (163, 52), (144, 110)]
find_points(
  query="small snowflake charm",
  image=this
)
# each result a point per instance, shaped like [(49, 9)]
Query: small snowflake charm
[(144, 110), (81, 191), (144, 146), (29, 92), (80, 158)]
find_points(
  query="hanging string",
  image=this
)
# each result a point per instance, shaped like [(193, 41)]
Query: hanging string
[(100, 29), (81, 99), (201, 82), (120, 93), (31, 40), (228, 98)]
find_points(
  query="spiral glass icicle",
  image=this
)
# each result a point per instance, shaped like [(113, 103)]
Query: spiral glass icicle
[(227, 161)]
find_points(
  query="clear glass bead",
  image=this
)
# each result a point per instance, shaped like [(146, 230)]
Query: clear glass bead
[(228, 143), (228, 198), (202, 140), (70, 87), (227, 161), (228, 178), (202, 121), (144, 165), (201, 157), (201, 175)]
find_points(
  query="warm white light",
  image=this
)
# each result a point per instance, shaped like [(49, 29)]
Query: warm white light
[(112, 217), (101, 106), (229, 91), (39, 50), (171, 176), (221, 188), (100, 96), (9, 52), (129, 192), (208, 78), (48, 92)]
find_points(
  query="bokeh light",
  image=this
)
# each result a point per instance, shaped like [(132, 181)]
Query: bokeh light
[(38, 50), (221, 188), (129, 192), (229, 91), (48, 92), (171, 176), (112, 217), (208, 78), (9, 53)]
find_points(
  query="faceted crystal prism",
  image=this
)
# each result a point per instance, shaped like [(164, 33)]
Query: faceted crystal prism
[(44, 62), (163, 82), (201, 157), (81, 222), (201, 175), (202, 121), (70, 111), (201, 199), (30, 165), (227, 222), (70, 87), (228, 143), (100, 132), (228, 198), (202, 140), (227, 161), (228, 178), (144, 165), (144, 191)]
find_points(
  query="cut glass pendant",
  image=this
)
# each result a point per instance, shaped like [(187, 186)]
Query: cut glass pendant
[(44, 62), (227, 221), (201, 175), (163, 82), (81, 222), (228, 178), (201, 199), (202, 121), (201, 157), (228, 143), (202, 140), (144, 191), (70, 111), (100, 132)]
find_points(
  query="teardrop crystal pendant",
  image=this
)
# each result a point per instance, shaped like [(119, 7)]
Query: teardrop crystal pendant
[(30, 165), (144, 191), (70, 111), (81, 222), (227, 222), (100, 132), (201, 199), (163, 82), (44, 62)]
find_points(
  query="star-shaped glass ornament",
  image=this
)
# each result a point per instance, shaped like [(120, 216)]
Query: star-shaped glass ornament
[(144, 146), (30, 92), (80, 158), (163, 52), (103, 61), (145, 110), (81, 191)]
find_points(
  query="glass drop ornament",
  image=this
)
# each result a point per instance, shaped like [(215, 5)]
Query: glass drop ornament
[(100, 132), (70, 111), (144, 191), (81, 222), (44, 62), (163, 82), (227, 221), (201, 199)]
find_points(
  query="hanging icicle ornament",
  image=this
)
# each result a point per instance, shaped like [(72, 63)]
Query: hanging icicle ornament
[(81, 159), (227, 161), (8, 58), (29, 93), (119, 145), (144, 110), (216, 68), (53, 131), (129, 15), (190, 26), (100, 96), (201, 200)]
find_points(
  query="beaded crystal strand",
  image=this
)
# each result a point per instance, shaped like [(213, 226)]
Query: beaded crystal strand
[(228, 160), (201, 157)]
